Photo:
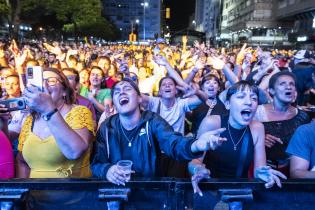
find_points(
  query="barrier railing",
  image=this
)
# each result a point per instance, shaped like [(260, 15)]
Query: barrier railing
[(160, 193)]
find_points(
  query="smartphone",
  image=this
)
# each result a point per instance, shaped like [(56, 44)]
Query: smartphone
[(14, 104), (34, 76)]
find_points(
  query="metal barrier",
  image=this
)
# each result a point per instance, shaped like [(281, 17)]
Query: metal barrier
[(163, 193)]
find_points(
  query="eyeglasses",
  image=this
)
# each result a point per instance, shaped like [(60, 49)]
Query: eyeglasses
[(51, 81)]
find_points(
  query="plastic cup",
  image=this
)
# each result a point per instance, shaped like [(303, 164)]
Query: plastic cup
[(125, 166)]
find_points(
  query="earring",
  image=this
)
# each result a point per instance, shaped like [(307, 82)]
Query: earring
[(227, 106)]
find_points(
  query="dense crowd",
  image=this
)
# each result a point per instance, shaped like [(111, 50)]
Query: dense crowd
[(174, 111)]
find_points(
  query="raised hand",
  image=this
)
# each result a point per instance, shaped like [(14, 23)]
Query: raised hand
[(38, 101), (184, 39), (53, 49), (14, 48), (189, 90), (269, 175), (160, 60), (241, 55), (208, 140), (216, 62), (196, 44)]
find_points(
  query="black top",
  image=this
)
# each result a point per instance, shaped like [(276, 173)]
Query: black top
[(283, 130), (223, 161), (201, 111)]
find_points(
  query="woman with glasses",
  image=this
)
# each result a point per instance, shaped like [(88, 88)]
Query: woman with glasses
[(56, 137), (98, 96)]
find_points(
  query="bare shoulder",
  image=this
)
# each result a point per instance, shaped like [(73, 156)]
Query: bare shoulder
[(256, 125)]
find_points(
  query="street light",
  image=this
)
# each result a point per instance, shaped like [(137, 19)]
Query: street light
[(144, 4), (194, 24)]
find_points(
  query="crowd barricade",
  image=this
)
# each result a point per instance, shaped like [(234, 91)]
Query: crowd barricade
[(162, 193)]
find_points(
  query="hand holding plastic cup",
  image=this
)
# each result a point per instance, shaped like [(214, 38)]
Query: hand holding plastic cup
[(125, 166)]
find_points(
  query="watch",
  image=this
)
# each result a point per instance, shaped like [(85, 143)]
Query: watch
[(47, 116)]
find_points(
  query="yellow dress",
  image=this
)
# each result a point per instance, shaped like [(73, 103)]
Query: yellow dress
[(44, 157)]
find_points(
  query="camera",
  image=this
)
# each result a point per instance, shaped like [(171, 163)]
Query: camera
[(34, 76), (14, 104)]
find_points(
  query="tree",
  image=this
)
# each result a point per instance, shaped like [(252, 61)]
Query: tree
[(82, 17), (76, 17)]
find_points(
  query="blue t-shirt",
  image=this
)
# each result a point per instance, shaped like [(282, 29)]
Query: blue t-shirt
[(302, 143)]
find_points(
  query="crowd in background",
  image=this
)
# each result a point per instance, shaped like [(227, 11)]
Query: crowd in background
[(256, 105)]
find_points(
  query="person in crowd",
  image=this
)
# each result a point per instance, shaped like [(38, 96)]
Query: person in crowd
[(303, 70), (12, 86), (172, 109), (84, 79), (110, 79), (302, 151), (140, 137), (280, 119), (211, 85), (244, 145), (100, 97), (6, 158), (74, 81), (44, 152)]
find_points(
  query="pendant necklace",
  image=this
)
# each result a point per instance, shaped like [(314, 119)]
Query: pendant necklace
[(129, 140), (235, 145), (211, 104)]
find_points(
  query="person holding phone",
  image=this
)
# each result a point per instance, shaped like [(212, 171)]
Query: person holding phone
[(44, 152)]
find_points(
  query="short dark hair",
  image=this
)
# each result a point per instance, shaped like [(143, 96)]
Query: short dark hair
[(72, 70), (164, 78), (240, 86), (275, 77), (130, 81), (209, 77)]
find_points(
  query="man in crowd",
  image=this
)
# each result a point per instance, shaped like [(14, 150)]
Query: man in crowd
[(140, 137)]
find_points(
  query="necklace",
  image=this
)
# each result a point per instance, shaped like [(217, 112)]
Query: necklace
[(235, 145), (125, 135), (211, 105)]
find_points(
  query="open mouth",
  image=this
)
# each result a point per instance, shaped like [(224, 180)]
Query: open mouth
[(210, 89), (123, 101), (246, 113), (288, 93)]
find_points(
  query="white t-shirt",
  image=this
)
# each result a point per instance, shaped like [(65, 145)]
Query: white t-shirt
[(175, 115)]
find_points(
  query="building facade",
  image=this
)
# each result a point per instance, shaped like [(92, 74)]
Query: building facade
[(140, 16), (269, 23), (301, 15), (207, 17), (253, 22)]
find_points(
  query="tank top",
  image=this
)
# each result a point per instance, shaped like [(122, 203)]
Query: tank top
[(223, 161)]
